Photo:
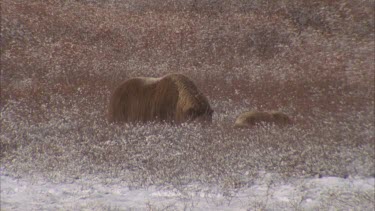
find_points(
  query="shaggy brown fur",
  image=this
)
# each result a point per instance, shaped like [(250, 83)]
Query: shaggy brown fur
[(172, 98), (252, 118)]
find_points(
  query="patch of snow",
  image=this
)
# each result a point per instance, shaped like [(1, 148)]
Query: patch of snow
[(27, 194)]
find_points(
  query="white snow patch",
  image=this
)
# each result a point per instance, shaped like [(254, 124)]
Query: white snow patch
[(310, 194)]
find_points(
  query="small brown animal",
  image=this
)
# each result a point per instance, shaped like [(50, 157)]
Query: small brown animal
[(252, 118), (172, 98)]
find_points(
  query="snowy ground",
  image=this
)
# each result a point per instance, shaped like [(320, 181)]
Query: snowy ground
[(313, 60), (86, 194)]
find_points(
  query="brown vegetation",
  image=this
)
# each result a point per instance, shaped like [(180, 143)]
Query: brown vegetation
[(312, 59), (172, 98)]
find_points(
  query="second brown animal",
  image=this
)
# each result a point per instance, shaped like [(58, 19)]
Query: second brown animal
[(252, 118)]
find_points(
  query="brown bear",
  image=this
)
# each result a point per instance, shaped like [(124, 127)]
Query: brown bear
[(172, 98), (252, 118)]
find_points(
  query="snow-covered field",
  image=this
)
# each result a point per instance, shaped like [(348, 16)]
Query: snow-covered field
[(313, 60), (327, 193)]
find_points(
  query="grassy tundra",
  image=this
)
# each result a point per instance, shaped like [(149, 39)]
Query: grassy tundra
[(313, 60)]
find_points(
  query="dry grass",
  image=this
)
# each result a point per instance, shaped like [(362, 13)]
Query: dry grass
[(314, 61)]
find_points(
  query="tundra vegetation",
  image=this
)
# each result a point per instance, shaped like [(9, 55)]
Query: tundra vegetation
[(313, 60)]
